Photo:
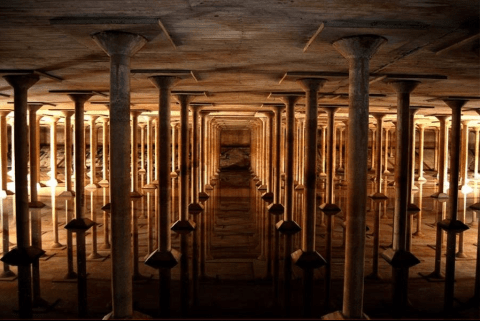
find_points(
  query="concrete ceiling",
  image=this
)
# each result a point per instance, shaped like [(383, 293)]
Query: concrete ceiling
[(239, 51)]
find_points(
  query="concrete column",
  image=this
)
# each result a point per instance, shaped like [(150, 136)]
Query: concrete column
[(68, 154), (135, 191), (288, 226), (105, 153), (11, 122), (37, 143), (203, 196), (435, 151), (329, 208), (120, 46), (385, 161), (421, 128), (150, 165), (155, 167), (357, 50), (142, 170), (340, 149), (21, 84), (443, 157), (276, 208), (80, 224), (413, 112), (93, 153), (307, 257), (399, 257), (477, 151), (195, 208), (269, 194), (324, 140), (299, 155), (164, 258), (372, 163), (183, 226), (4, 151), (464, 158), (53, 151), (34, 155), (451, 224)]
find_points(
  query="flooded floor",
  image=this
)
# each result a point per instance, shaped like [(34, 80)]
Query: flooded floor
[(237, 284)]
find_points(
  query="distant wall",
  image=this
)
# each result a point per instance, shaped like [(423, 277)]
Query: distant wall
[(235, 149), (235, 138)]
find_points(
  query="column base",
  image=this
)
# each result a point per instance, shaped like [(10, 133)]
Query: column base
[(330, 209), (262, 188), (149, 186), (135, 194), (421, 179), (338, 315), (183, 227), (465, 189), (378, 196), (308, 260), (57, 246), (195, 208), (299, 187), (202, 196), (142, 171), (8, 276), (453, 226), (440, 196), (173, 175), (276, 209), (163, 260), (399, 258), (80, 225), (103, 183), (67, 194), (267, 197), (107, 207), (96, 257), (53, 182), (135, 316), (433, 277), (208, 187), (92, 186), (461, 255), (288, 227), (23, 257), (36, 204)]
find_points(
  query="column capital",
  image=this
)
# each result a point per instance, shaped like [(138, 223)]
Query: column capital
[(4, 113), (22, 81), (33, 107), (404, 86), (68, 113), (455, 103), (361, 46), (311, 84), (115, 42), (164, 82), (80, 98), (421, 126), (93, 118), (54, 119)]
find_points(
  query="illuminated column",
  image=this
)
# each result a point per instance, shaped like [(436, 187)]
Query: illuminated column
[(34, 156), (105, 153), (93, 154), (357, 50), (134, 192), (4, 152)]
